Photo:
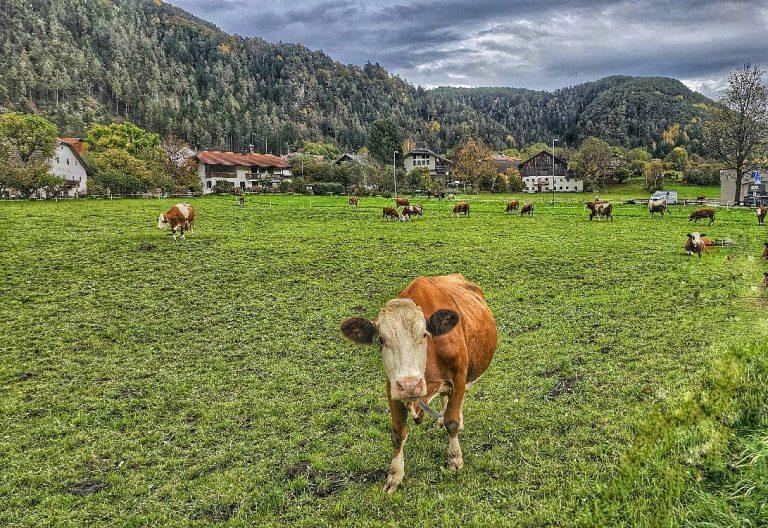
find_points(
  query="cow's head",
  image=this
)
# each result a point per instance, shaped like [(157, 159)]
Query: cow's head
[(162, 222), (401, 331)]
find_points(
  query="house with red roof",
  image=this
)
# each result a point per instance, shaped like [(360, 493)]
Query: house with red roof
[(67, 163), (245, 171)]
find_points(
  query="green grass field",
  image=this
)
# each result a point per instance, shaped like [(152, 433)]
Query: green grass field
[(147, 382)]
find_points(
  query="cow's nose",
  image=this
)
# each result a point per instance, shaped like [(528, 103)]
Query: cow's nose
[(410, 387)]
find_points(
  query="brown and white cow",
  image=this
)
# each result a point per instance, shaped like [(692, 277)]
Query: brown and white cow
[(437, 338), (705, 212), (765, 251), (402, 202), (241, 200), (697, 243), (657, 206), (765, 279), (412, 210), (461, 208), (353, 201), (527, 209), (600, 209), (180, 217), (390, 213), (761, 212), (512, 206)]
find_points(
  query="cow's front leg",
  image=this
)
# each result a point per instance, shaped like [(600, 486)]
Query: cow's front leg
[(452, 419), (399, 415)]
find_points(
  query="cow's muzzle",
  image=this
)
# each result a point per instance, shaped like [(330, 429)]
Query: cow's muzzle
[(410, 388)]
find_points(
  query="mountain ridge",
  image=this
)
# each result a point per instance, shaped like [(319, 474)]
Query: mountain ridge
[(80, 61)]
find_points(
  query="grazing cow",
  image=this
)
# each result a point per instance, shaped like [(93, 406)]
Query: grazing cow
[(527, 209), (761, 212), (413, 210), (180, 217), (353, 201), (241, 200), (402, 202), (512, 206), (765, 251), (451, 196), (765, 279), (600, 209), (698, 214), (697, 243), (657, 206), (390, 213), (461, 208), (437, 338)]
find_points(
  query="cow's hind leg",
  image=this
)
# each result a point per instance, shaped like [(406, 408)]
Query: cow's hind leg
[(399, 415), (452, 419)]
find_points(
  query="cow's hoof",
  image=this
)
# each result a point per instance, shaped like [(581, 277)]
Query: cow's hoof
[(393, 481), (455, 463)]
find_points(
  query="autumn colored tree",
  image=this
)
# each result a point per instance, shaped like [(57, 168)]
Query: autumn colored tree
[(592, 162), (473, 163)]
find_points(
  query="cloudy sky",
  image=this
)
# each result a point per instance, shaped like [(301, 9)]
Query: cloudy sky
[(524, 43)]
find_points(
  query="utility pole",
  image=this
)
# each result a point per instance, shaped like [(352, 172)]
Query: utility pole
[(553, 171), (394, 170)]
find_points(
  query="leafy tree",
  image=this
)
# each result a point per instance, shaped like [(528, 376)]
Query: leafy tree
[(26, 136), (328, 151), (592, 162), (124, 136), (621, 175), (473, 163), (638, 154), (223, 187), (738, 131), (385, 139), (654, 175), (512, 180), (678, 157), (27, 144), (120, 172)]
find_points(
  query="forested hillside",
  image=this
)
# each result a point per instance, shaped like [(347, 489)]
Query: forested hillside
[(80, 61)]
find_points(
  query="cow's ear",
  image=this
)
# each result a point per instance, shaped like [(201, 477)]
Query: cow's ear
[(689, 235), (441, 322), (359, 330), (702, 234)]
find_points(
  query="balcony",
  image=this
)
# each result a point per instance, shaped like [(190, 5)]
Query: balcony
[(221, 175)]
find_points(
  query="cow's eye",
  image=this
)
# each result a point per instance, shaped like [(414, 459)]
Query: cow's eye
[(426, 335), (381, 341)]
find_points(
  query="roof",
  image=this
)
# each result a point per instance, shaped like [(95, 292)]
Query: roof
[(217, 157), (356, 158), (558, 158), (424, 150), (505, 162), (76, 143)]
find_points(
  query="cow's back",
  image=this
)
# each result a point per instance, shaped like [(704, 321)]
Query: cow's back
[(473, 341)]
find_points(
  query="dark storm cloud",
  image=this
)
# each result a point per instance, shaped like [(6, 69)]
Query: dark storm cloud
[(527, 43)]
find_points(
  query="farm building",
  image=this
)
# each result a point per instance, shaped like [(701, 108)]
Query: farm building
[(753, 191), (536, 173), (505, 162), (423, 157), (351, 158), (68, 164), (245, 171)]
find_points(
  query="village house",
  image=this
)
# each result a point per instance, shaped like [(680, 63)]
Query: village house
[(351, 158), (245, 171), (536, 173), (504, 163), (754, 187), (423, 157), (67, 163)]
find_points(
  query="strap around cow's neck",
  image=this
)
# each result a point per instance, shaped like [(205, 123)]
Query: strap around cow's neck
[(427, 409)]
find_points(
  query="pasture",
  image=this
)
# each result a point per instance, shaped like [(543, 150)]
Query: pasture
[(205, 382)]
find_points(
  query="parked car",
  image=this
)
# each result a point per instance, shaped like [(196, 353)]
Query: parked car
[(669, 196)]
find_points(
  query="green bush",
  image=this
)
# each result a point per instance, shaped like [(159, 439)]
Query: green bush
[(328, 188), (223, 187)]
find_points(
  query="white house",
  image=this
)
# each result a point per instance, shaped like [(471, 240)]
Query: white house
[(537, 171), (247, 171), (423, 157), (67, 164)]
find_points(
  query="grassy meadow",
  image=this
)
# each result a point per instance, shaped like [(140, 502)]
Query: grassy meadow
[(147, 382)]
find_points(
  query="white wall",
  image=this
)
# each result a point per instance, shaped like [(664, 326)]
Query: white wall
[(562, 184), (65, 164)]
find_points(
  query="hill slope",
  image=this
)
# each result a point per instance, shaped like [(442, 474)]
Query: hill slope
[(77, 61)]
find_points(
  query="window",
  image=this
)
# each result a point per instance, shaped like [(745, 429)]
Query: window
[(67, 161), (209, 183), (57, 159)]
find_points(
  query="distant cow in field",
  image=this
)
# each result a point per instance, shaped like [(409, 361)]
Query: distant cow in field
[(352, 201), (527, 209), (600, 209), (765, 279), (698, 214), (697, 243), (451, 196), (241, 200), (436, 339), (390, 213), (512, 206), (461, 208), (657, 206), (413, 210), (402, 202), (180, 217), (765, 251), (761, 212)]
